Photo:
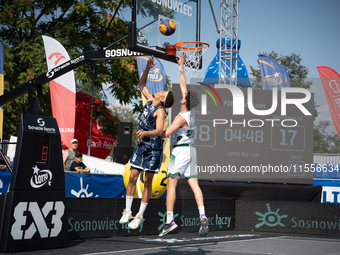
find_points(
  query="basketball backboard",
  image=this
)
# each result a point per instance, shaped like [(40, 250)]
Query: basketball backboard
[(144, 34)]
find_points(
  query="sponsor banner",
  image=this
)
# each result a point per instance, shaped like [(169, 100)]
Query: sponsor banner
[(100, 217), (1, 86), (121, 53), (91, 218), (220, 214), (273, 75), (62, 89), (94, 185), (330, 195), (100, 146), (34, 221), (331, 85), (288, 217), (156, 78), (330, 190)]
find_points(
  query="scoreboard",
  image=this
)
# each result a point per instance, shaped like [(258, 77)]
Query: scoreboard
[(253, 135), (38, 161)]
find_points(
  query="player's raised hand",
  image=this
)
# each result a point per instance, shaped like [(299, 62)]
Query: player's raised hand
[(181, 59), (150, 64)]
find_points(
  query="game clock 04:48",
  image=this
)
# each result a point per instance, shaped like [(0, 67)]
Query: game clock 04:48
[(252, 136), (205, 134)]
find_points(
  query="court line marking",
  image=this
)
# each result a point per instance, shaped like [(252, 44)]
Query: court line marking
[(179, 246), (209, 238), (311, 239)]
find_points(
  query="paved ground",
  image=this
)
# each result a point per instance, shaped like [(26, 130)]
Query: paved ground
[(217, 242)]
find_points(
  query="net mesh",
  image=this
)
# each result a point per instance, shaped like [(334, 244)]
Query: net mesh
[(193, 52)]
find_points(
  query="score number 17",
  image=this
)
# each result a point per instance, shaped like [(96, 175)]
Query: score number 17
[(288, 139)]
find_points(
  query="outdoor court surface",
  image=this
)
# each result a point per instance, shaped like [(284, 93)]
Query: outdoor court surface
[(216, 242)]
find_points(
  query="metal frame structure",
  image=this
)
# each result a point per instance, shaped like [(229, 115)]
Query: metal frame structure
[(36, 84), (229, 34)]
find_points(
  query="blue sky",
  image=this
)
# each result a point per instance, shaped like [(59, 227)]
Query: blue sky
[(309, 28)]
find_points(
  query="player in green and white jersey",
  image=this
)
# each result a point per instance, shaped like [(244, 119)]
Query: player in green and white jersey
[(183, 159)]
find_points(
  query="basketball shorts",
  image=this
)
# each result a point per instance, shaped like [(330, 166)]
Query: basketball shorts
[(146, 157), (183, 162)]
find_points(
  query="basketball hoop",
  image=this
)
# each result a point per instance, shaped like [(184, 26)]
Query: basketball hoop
[(193, 52)]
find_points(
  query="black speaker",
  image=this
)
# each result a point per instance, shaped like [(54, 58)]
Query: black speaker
[(124, 134), (122, 154)]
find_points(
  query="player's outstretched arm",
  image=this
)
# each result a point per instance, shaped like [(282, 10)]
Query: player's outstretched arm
[(182, 80), (178, 122), (142, 82)]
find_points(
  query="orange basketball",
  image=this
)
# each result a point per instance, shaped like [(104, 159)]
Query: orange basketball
[(167, 27)]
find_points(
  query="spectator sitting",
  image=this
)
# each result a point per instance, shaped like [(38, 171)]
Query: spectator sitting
[(78, 164)]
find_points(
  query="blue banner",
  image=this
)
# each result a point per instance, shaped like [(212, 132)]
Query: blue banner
[(286, 76), (273, 75), (93, 185), (157, 76), (1, 86), (1, 59), (5, 180)]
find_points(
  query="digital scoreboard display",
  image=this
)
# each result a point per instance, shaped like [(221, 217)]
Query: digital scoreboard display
[(42, 145), (252, 136)]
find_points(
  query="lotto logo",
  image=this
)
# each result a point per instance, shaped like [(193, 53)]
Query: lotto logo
[(20, 228)]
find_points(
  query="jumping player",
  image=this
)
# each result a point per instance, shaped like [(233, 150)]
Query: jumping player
[(183, 158), (148, 153)]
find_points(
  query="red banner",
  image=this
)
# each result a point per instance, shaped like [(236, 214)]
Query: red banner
[(331, 84), (100, 146)]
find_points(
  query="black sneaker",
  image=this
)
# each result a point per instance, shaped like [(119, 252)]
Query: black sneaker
[(168, 228)]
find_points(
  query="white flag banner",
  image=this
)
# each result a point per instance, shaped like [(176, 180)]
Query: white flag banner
[(62, 90)]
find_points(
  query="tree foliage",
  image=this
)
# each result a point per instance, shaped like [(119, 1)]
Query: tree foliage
[(78, 26), (324, 142), (124, 113)]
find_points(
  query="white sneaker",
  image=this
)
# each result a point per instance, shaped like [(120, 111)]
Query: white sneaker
[(204, 229), (137, 220), (127, 215)]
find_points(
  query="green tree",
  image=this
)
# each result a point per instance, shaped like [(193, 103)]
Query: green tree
[(124, 113), (78, 26), (320, 142), (98, 92)]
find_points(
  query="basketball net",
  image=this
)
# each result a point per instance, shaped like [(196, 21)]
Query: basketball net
[(193, 52)]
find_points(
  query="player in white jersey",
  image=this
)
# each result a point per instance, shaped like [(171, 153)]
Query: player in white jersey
[(183, 159)]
